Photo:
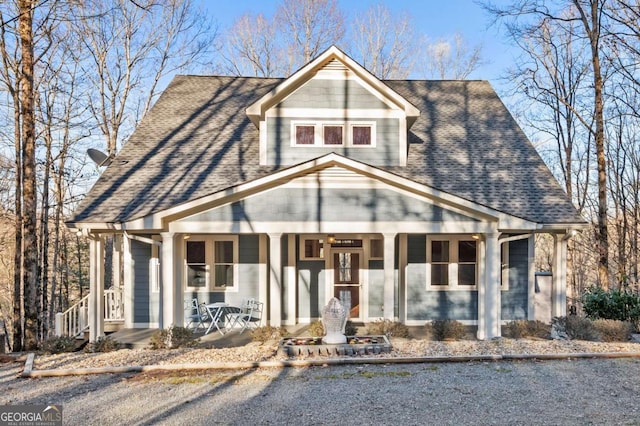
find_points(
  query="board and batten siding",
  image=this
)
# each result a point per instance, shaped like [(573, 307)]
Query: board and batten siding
[(515, 299)]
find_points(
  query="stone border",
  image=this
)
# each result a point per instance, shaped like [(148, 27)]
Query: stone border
[(29, 372), (288, 347)]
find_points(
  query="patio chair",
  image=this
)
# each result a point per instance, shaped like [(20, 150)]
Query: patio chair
[(192, 315), (250, 315)]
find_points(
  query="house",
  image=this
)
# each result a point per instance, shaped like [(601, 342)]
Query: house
[(409, 200)]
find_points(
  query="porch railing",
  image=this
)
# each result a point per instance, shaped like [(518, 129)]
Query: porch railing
[(75, 320)]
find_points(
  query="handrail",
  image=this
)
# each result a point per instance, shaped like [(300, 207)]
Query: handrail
[(75, 320)]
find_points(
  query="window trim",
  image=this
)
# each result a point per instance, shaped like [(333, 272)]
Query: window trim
[(371, 254), (454, 241), (347, 133), (303, 238), (210, 241)]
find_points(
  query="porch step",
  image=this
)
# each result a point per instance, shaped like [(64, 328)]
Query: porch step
[(113, 326), (133, 338)]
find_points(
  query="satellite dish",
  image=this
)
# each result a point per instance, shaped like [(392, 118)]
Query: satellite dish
[(99, 157)]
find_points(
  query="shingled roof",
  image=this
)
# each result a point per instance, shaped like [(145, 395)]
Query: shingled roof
[(197, 140)]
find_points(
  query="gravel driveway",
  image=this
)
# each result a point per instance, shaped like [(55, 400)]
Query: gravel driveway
[(588, 391)]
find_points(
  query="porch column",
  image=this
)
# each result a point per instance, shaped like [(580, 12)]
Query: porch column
[(559, 278), (492, 290), (532, 279), (290, 274), (481, 333), (389, 275), (116, 259), (96, 287), (275, 279), (170, 298), (128, 283)]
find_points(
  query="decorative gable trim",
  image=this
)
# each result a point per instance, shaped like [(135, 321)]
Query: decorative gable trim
[(161, 220), (333, 60)]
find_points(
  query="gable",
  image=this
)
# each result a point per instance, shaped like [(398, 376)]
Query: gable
[(330, 195), (336, 94), (368, 121)]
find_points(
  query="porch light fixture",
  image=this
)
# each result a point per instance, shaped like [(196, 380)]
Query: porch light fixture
[(331, 238), (475, 236)]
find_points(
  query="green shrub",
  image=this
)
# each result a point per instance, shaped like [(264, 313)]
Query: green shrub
[(447, 330), (618, 305), (520, 329), (613, 330), (102, 344), (59, 344), (388, 328), (267, 332), (173, 338)]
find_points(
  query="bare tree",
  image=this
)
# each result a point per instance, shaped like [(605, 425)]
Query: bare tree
[(250, 47), (309, 27), (528, 14), (131, 49), (450, 59), (28, 166), (9, 48), (384, 44)]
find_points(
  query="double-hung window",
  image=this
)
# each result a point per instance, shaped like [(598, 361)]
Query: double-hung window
[(196, 259), (211, 263), (452, 263)]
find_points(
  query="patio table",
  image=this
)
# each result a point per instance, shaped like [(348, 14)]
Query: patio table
[(219, 313)]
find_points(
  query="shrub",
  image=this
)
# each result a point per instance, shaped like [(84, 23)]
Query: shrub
[(612, 330), (267, 332), (173, 338), (519, 329), (447, 330), (59, 344), (574, 327), (102, 344), (316, 329), (618, 305), (388, 328)]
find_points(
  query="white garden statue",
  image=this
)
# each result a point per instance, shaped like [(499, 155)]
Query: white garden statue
[(334, 320)]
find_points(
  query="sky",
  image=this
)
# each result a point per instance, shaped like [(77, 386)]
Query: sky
[(434, 18)]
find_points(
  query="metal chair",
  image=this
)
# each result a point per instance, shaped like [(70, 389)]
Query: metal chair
[(250, 315), (192, 314)]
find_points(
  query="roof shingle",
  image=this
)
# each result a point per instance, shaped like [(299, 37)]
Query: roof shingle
[(198, 140)]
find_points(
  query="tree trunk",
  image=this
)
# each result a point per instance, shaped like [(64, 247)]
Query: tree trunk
[(18, 336), (30, 195)]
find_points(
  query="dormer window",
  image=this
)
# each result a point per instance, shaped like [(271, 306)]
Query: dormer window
[(350, 134), (332, 134)]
